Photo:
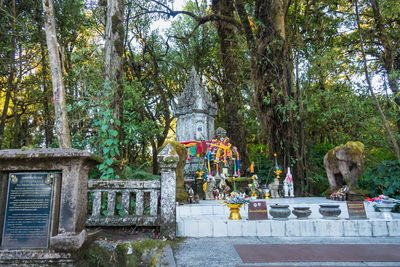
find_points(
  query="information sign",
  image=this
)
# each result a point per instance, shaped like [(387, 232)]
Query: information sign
[(28, 210)]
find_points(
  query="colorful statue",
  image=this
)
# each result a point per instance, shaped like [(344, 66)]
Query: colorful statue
[(288, 187)]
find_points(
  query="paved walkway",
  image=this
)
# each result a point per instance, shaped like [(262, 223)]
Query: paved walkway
[(221, 252)]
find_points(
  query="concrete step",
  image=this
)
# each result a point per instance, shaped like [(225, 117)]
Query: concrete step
[(210, 219)]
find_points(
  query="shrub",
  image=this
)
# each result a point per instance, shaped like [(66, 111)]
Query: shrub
[(383, 179)]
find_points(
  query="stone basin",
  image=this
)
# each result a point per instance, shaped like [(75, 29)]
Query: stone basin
[(279, 212), (329, 212)]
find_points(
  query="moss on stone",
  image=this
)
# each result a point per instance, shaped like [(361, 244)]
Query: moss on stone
[(100, 255), (354, 148), (148, 252), (132, 253), (181, 194)]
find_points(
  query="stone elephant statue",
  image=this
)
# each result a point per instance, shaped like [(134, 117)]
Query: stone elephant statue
[(274, 188), (344, 163)]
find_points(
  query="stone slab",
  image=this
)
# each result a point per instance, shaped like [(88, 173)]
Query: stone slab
[(220, 228), (394, 228), (205, 228), (235, 228), (379, 228), (263, 228), (250, 228)]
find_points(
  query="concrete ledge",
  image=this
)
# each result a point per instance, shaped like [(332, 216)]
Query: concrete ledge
[(210, 219), (27, 257), (215, 207), (221, 226), (68, 241)]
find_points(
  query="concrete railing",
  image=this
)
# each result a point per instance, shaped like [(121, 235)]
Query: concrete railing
[(123, 203), (133, 202)]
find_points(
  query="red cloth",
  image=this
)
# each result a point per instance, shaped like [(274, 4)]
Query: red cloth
[(204, 146), (199, 149)]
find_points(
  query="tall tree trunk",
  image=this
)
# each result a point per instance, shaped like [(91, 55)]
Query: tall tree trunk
[(385, 124), (114, 51), (299, 96), (61, 122), (16, 141), (48, 122), (10, 79), (231, 82), (10, 84), (274, 97)]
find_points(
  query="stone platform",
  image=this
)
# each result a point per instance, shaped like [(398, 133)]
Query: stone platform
[(210, 219)]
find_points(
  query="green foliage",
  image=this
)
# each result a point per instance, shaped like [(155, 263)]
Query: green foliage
[(138, 174), (262, 164), (109, 142), (317, 181), (383, 179)]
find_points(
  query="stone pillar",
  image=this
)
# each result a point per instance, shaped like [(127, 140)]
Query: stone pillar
[(168, 160)]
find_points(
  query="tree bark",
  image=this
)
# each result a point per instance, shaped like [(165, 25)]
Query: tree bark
[(61, 122), (378, 106), (274, 98), (48, 122), (113, 52), (10, 79), (232, 95)]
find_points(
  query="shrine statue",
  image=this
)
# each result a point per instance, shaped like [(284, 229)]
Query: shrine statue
[(288, 187), (210, 188), (191, 195), (223, 188), (273, 188), (345, 164)]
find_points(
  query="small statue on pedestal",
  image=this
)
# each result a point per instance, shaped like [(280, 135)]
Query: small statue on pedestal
[(210, 185), (288, 187), (273, 188), (223, 188), (191, 196)]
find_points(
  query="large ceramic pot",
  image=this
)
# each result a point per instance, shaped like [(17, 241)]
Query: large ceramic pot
[(330, 212), (301, 212), (234, 208), (279, 212)]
